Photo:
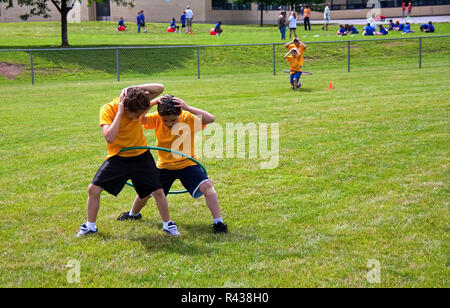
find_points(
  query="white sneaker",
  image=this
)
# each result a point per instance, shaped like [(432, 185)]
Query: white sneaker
[(172, 229), (84, 230)]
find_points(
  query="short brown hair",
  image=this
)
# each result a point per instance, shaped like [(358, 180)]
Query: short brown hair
[(136, 100)]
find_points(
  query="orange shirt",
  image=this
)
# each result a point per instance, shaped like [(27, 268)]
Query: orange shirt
[(179, 138), (298, 61), (130, 131), (295, 65), (307, 12)]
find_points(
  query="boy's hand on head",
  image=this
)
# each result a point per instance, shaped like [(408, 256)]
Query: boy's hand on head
[(123, 94), (180, 103), (121, 107)]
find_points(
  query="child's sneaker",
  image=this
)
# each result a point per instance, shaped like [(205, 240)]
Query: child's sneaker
[(84, 230), (172, 229), (299, 85), (220, 227), (127, 216)]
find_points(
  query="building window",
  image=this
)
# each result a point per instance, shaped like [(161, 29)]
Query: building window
[(230, 5)]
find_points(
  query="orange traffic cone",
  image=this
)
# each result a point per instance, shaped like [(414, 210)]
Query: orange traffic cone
[(330, 86), (190, 32)]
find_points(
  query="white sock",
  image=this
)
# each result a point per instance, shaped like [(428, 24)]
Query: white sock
[(166, 224), (216, 220), (132, 214), (91, 226)]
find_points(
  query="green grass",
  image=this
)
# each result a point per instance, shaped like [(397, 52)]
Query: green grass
[(55, 65), (38, 34), (363, 174)]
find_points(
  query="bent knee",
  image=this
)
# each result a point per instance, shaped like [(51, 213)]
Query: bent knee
[(94, 189), (207, 188)]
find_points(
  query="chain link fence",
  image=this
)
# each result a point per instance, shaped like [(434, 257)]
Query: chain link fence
[(122, 63)]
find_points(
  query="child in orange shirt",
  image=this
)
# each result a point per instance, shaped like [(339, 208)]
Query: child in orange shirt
[(173, 116), (121, 125), (295, 58)]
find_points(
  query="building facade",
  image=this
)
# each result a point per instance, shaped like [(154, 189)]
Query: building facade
[(211, 11)]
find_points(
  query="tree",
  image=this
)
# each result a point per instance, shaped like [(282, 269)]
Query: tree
[(41, 8)]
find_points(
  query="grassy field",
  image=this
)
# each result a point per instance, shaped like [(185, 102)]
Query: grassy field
[(50, 66), (363, 175)]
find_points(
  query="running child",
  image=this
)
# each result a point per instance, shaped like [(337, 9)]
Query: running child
[(121, 124), (173, 116)]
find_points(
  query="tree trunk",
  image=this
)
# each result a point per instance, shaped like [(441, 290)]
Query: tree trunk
[(262, 13), (64, 12)]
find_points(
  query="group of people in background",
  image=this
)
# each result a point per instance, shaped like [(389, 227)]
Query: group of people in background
[(185, 20), (291, 22)]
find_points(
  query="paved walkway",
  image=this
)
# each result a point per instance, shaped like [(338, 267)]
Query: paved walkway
[(413, 20)]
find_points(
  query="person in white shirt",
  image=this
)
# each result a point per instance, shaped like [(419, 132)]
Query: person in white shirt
[(189, 17), (293, 24), (326, 17)]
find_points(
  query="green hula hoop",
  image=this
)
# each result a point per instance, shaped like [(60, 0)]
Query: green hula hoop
[(170, 151)]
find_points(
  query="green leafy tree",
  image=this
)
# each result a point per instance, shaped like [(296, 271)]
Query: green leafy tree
[(42, 8)]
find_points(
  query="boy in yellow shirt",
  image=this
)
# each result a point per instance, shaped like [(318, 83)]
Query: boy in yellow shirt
[(121, 126), (173, 116), (295, 67), (295, 59)]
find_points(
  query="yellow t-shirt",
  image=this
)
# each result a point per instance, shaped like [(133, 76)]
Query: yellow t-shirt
[(179, 138), (295, 64), (130, 131)]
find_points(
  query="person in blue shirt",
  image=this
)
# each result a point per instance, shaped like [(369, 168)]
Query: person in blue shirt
[(427, 27), (341, 31), (138, 22), (183, 21), (174, 26), (368, 30), (218, 28), (407, 28), (391, 25), (352, 29), (143, 21), (401, 27), (382, 31)]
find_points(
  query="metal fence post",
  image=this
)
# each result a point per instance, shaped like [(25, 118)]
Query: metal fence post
[(117, 65), (198, 62), (31, 67), (348, 56), (420, 52), (273, 51)]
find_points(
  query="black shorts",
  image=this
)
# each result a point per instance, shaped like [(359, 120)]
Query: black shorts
[(191, 178), (141, 170)]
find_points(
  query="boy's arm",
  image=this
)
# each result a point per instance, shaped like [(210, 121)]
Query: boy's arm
[(206, 117), (291, 42), (110, 131), (289, 52), (154, 89)]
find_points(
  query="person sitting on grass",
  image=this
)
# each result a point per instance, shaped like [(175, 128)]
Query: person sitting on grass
[(382, 30), (173, 25), (352, 29), (121, 124), (368, 30), (295, 59), (218, 28), (407, 28), (341, 31), (427, 27), (121, 26), (391, 25), (173, 116)]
